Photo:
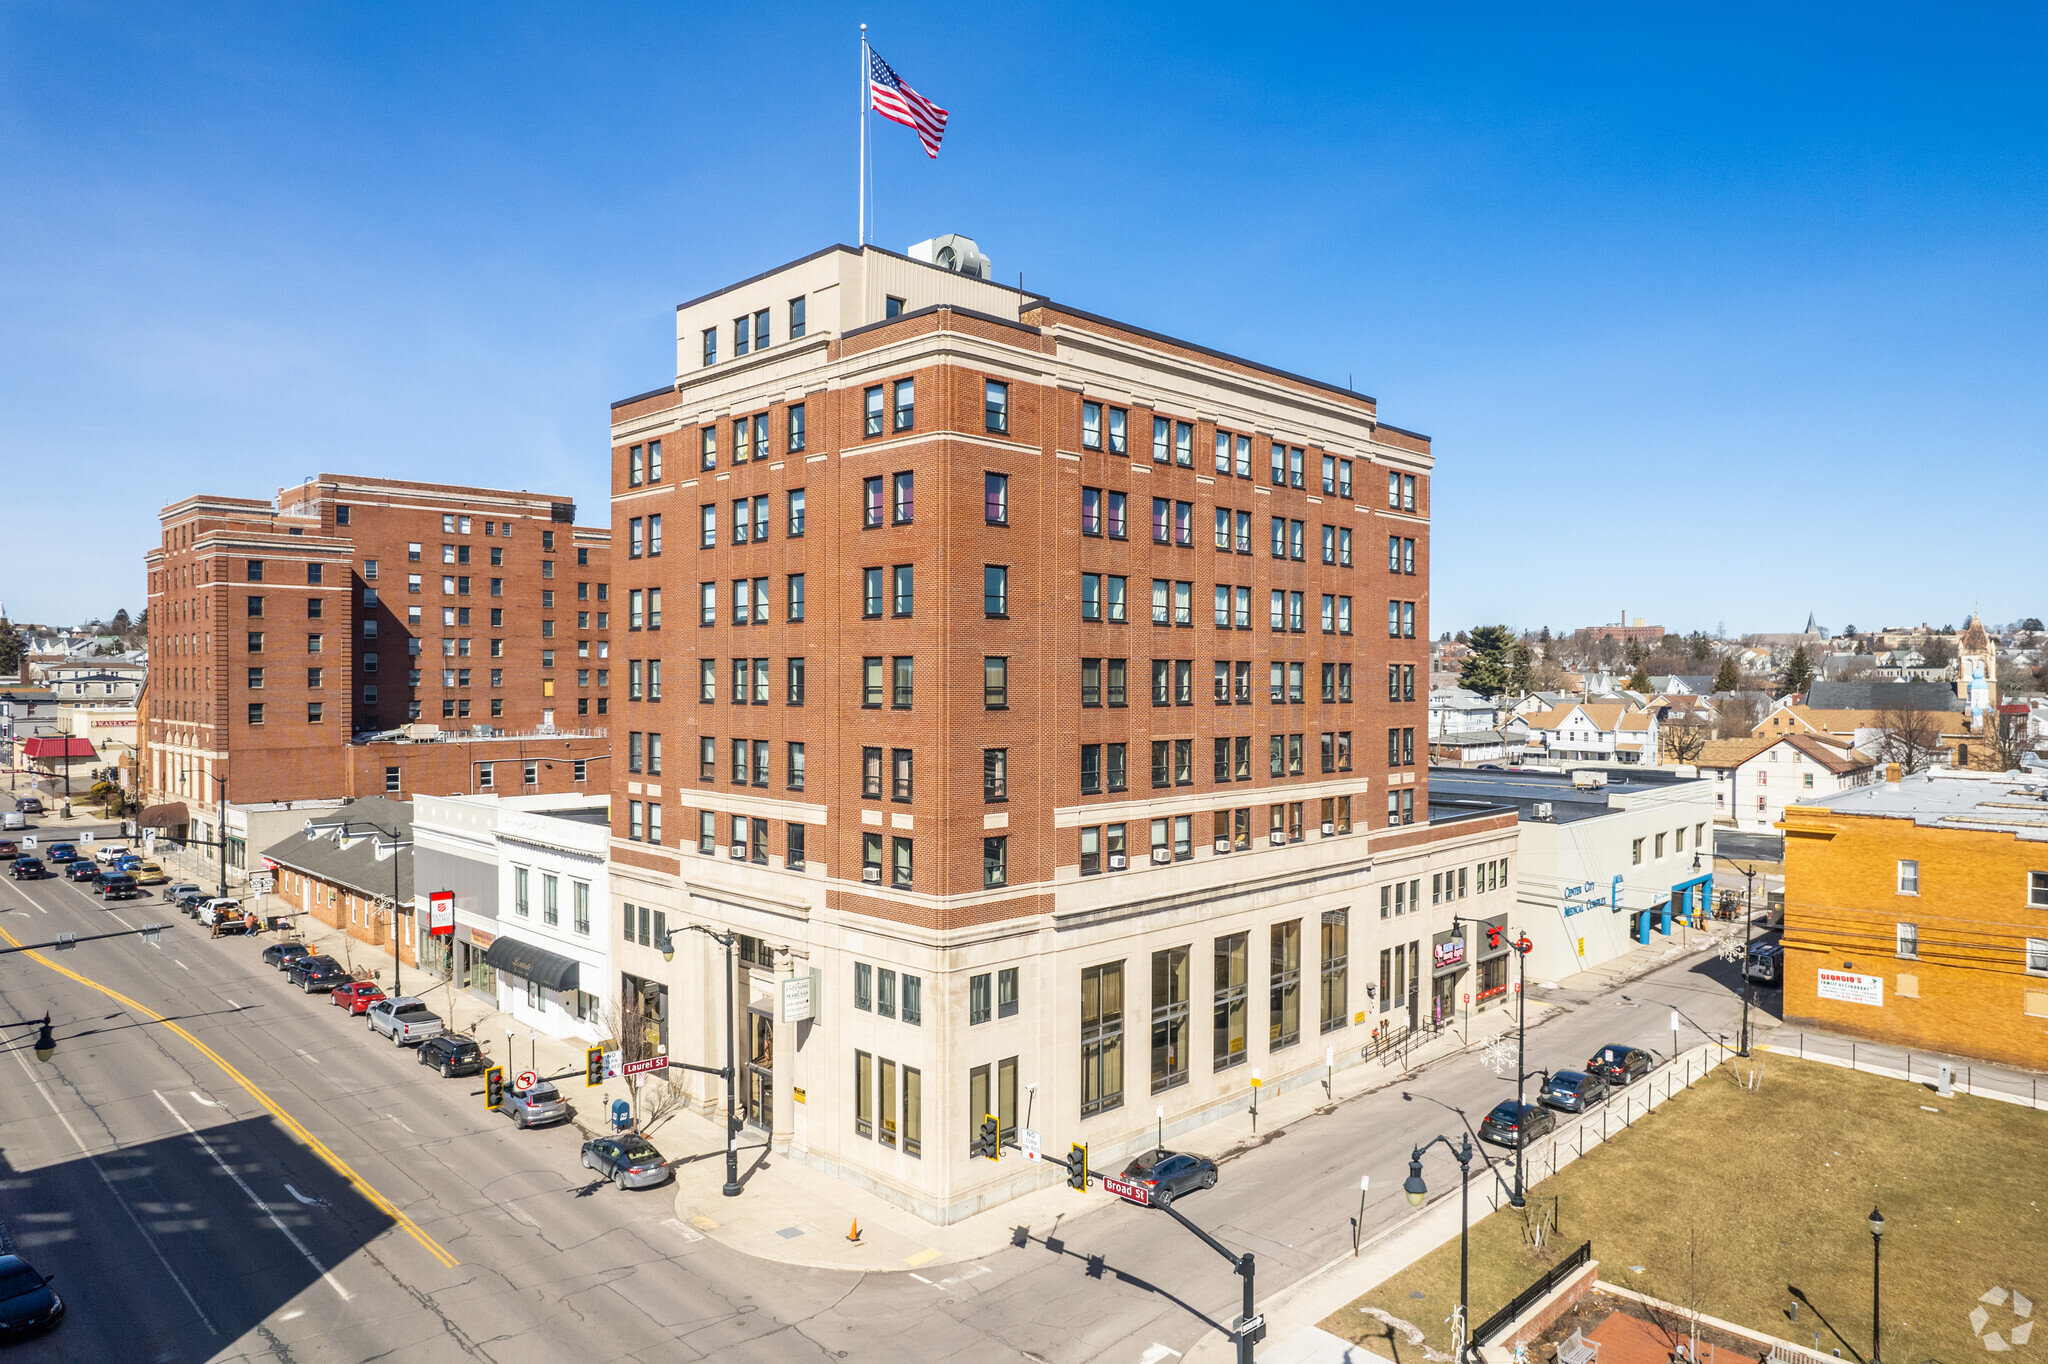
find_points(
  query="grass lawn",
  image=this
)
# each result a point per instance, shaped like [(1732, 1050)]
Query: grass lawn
[(1775, 1187)]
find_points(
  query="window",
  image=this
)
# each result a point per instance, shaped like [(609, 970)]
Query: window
[(995, 683), (995, 590), (1334, 1008), (901, 783), (796, 597), (902, 682), (2037, 960), (1909, 877), (708, 535), (995, 861), (1909, 940), (1114, 670), (903, 584), (1091, 426), (1232, 994), (996, 406), (863, 986), (796, 682), (2037, 890), (711, 345), (1171, 990), (871, 411), (905, 406), (995, 778), (1102, 1038), (796, 319), (1284, 984), (904, 501), (740, 334), (708, 443), (255, 713)]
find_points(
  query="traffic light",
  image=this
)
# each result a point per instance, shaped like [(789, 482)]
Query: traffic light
[(989, 1144), (1493, 933), (593, 1066), (494, 1087), (1077, 1167)]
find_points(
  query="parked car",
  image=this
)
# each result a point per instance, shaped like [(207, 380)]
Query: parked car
[(106, 854), (213, 908), (1620, 1066), (29, 869), (117, 886), (27, 1302), (404, 1020), (9, 848), (1572, 1091), (29, 805), (78, 869), (1513, 1124), (63, 852), (535, 1107), (149, 874), (629, 1161), (356, 996), (1168, 1174), (190, 901), (452, 1056), (316, 980), (178, 888), (298, 965), (279, 955), (1765, 964)]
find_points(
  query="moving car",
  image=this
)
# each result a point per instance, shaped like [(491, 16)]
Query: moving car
[(452, 1056), (117, 885), (1765, 963), (295, 968), (1572, 1091), (107, 854), (29, 869), (63, 852), (356, 996), (9, 848), (404, 1020), (27, 1302), (320, 979), (78, 869), (1167, 1174), (535, 1107), (1513, 1124), (13, 819), (29, 805), (1620, 1066), (279, 955), (149, 874), (179, 888), (629, 1161)]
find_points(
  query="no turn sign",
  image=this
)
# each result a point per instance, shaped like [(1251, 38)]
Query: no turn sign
[(527, 1079)]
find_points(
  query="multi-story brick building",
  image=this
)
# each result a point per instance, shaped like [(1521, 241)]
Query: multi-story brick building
[(370, 636), (1025, 689)]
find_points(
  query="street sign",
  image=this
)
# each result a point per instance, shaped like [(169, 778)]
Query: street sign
[(527, 1079), (1028, 1140), (262, 882), (651, 1063), (1123, 1188), (29, 843), (85, 838), (1252, 1330)]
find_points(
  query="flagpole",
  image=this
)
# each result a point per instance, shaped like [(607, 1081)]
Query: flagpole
[(861, 235)]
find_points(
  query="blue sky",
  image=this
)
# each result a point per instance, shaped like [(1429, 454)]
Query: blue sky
[(1715, 314)]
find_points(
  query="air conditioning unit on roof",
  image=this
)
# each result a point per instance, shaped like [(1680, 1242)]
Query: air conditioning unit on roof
[(954, 252)]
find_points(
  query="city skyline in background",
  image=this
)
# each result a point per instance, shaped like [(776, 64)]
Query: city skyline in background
[(1655, 293)]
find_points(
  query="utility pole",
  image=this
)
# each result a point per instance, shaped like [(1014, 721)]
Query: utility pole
[(730, 1073), (221, 819)]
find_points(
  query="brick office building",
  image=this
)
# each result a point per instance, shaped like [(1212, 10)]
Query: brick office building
[(1021, 682), (368, 636)]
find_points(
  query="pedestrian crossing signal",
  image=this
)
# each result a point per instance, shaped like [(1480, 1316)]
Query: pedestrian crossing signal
[(1077, 1167), (494, 1087), (593, 1066)]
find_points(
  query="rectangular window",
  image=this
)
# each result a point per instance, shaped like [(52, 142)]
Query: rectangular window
[(871, 682), (996, 499), (902, 689), (979, 1007), (1284, 985), (905, 404), (1091, 426), (871, 411), (903, 589), (995, 406), (1119, 424), (1334, 1008), (995, 774), (1231, 999), (1162, 436), (994, 861), (863, 986), (1102, 1038), (1171, 991), (995, 683), (1909, 940), (1909, 876), (995, 590), (902, 863)]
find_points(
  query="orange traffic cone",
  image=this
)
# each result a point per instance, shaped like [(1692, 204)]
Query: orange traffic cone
[(853, 1233)]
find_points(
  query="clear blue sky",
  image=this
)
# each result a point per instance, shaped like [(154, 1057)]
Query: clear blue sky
[(1715, 314)]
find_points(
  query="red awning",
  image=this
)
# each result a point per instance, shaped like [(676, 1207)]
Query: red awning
[(58, 748)]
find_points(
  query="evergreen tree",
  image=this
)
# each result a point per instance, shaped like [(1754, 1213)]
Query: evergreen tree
[(121, 624), (12, 648), (1462, 639), (1543, 635), (1521, 670), (1489, 669), (1798, 675), (1699, 646), (1639, 680), (1728, 679), (1634, 651)]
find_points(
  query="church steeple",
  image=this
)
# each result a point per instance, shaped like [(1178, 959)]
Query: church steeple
[(1977, 671)]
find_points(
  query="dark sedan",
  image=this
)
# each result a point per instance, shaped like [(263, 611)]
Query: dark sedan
[(451, 1055), (1620, 1066), (279, 955), (29, 805), (1512, 1124), (9, 848), (1572, 1091), (629, 1161), (1168, 1174), (293, 970), (29, 869), (318, 979), (81, 870), (27, 1302)]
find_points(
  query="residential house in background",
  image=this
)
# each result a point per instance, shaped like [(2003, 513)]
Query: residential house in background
[(1755, 779), (1595, 732)]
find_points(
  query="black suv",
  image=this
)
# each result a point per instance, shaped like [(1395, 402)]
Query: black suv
[(452, 1055), (81, 870), (321, 976), (1506, 1126), (116, 885), (296, 970), (29, 869), (1620, 1066)]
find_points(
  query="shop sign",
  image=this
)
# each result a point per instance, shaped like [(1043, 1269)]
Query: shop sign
[(441, 913), (1852, 989), (1450, 953)]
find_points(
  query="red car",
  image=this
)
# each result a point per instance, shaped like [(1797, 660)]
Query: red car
[(357, 996)]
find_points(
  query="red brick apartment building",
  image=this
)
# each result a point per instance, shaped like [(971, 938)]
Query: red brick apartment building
[(365, 636), (1049, 693)]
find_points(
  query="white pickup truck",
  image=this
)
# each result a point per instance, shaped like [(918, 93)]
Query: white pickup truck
[(405, 1019), (109, 853)]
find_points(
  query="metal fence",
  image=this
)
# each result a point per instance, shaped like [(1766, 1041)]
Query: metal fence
[(1521, 1302)]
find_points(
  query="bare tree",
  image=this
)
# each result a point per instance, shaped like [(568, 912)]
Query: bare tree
[(1910, 738), (1682, 740), (1735, 715), (634, 1032), (2005, 739)]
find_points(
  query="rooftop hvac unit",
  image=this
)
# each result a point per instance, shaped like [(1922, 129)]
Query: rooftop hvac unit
[(956, 253), (1542, 809), (870, 873), (1116, 861), (1161, 856)]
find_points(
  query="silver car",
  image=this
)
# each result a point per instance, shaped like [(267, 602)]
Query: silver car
[(535, 1107), (629, 1161)]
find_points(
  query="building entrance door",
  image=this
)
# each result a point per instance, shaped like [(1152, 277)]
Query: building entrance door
[(761, 1070), (1444, 998)]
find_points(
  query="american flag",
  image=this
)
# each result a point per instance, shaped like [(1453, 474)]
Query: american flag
[(894, 100)]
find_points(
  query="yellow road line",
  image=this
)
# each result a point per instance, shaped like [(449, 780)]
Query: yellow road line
[(276, 1110)]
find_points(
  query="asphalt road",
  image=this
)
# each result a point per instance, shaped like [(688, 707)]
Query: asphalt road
[(257, 1178)]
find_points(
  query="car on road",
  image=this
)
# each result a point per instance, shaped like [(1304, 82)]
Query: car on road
[(1168, 1174), (178, 888), (149, 874), (279, 955), (629, 1161), (356, 996), (213, 909), (1620, 1066), (29, 869), (452, 1055), (106, 854), (117, 886), (190, 900), (29, 805), (1572, 1091), (9, 848), (63, 852), (13, 819), (404, 1020), (535, 1107), (27, 1302), (293, 968), (1765, 964), (316, 980), (1513, 1124), (78, 869)]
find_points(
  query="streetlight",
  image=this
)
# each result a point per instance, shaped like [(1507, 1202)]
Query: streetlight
[(1876, 1301), (1520, 942), (1748, 926), (1417, 1191), (46, 1040), (220, 817), (729, 1073)]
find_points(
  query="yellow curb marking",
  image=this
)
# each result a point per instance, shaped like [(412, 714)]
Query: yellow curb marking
[(923, 1257), (291, 1124), (703, 1223)]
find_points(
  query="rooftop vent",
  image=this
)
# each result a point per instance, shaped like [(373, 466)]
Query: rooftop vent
[(1543, 809), (954, 252)]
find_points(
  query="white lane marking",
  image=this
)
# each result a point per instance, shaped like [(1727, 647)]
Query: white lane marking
[(93, 1160), (202, 1099), (923, 1280), (1156, 1353), (400, 1121), (309, 1202), (292, 1315), (689, 1233), (231, 1003), (513, 1208), (308, 1055), (971, 1272), (181, 965), (242, 1184)]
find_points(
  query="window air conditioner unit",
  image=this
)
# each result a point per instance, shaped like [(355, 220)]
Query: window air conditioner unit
[(1223, 845), (1116, 861), (1279, 838), (1328, 828), (739, 851), (1161, 856), (870, 873)]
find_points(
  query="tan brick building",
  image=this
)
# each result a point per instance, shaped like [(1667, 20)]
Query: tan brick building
[(1022, 675), (367, 636)]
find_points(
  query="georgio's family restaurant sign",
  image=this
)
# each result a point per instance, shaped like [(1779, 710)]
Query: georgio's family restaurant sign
[(1852, 989)]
